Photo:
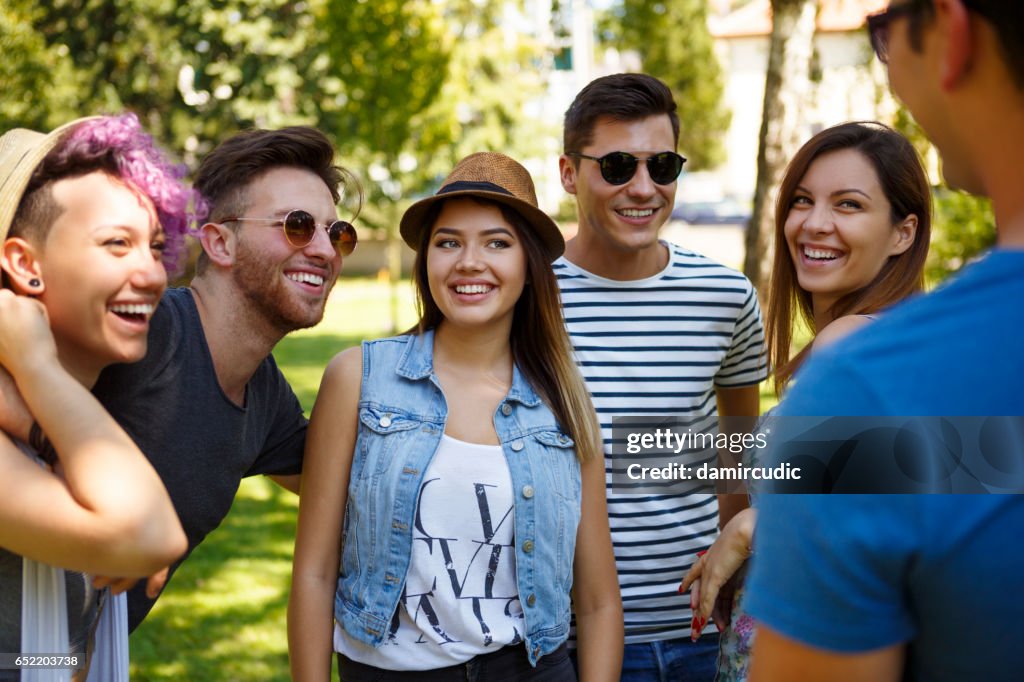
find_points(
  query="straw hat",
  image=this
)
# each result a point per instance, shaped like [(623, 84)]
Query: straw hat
[(492, 176), (21, 151)]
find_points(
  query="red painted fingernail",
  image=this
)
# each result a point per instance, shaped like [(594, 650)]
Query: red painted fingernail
[(702, 553)]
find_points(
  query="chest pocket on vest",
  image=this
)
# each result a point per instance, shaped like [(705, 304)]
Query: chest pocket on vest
[(381, 431), (560, 458)]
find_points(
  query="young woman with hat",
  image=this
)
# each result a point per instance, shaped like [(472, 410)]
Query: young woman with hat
[(455, 474), (87, 214)]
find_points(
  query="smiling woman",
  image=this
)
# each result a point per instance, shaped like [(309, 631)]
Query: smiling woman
[(852, 226), (851, 236), (89, 217), (455, 473)]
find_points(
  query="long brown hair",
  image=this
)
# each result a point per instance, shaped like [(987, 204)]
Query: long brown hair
[(905, 184), (540, 344)]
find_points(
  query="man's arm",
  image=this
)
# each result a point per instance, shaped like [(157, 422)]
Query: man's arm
[(288, 482), (738, 409), (777, 657)]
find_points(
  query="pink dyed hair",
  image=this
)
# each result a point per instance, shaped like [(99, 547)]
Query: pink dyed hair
[(120, 140)]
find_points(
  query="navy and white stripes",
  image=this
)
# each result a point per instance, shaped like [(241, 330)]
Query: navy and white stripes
[(660, 346)]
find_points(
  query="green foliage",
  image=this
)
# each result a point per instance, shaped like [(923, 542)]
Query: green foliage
[(30, 66), (403, 87), (963, 226), (193, 71), (674, 44)]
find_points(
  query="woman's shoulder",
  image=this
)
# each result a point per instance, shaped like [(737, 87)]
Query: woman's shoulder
[(398, 341), (840, 328)]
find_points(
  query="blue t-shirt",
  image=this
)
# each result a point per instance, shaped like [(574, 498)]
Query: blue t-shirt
[(853, 573)]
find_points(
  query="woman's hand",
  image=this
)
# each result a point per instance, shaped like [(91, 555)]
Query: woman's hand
[(711, 579), (25, 335)]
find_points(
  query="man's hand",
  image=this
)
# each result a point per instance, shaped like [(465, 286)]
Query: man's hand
[(116, 585), (154, 584)]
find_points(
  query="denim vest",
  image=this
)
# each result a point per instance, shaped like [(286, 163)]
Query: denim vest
[(402, 415)]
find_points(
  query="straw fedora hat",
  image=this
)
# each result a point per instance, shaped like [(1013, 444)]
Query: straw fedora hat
[(492, 176), (21, 150)]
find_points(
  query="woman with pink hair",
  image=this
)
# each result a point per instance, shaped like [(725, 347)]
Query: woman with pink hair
[(90, 216)]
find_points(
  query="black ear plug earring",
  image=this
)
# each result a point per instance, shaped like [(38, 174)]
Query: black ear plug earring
[(34, 282)]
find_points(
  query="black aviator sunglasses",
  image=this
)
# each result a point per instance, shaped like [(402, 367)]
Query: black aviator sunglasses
[(618, 168), (300, 228)]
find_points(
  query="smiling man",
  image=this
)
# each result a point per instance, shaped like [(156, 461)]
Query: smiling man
[(208, 405), (657, 330), (919, 587)]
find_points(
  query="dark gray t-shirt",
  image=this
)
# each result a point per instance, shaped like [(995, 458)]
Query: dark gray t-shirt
[(197, 439)]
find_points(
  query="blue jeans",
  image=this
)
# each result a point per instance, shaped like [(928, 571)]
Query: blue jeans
[(671, 660)]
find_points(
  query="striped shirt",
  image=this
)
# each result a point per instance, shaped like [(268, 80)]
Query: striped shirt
[(660, 346)]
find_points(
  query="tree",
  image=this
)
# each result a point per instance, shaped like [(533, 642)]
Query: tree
[(39, 89), (672, 39), (454, 84), (787, 85), (193, 71)]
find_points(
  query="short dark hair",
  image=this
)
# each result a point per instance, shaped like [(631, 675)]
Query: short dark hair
[(621, 97), (1006, 18), (226, 172)]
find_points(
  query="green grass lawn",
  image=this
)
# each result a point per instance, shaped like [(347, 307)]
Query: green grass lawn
[(223, 617)]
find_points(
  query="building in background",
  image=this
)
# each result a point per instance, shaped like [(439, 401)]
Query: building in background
[(849, 84)]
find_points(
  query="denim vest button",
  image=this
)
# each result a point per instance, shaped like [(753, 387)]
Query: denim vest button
[(506, 409), (563, 439), (527, 491), (528, 546), (531, 600), (517, 446), (385, 421)]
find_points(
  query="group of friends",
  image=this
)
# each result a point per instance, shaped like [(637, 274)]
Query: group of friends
[(457, 518)]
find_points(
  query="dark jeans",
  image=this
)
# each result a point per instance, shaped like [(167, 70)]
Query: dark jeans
[(509, 663), (673, 660)]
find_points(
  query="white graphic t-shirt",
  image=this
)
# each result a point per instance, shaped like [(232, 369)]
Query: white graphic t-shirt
[(460, 598)]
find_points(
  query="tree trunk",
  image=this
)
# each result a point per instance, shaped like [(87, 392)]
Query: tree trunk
[(786, 93)]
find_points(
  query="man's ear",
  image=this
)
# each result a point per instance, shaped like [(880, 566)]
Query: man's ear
[(567, 172), (905, 231), (955, 22), (19, 261), (219, 242)]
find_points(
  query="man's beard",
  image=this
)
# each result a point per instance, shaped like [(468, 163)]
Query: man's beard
[(268, 295)]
